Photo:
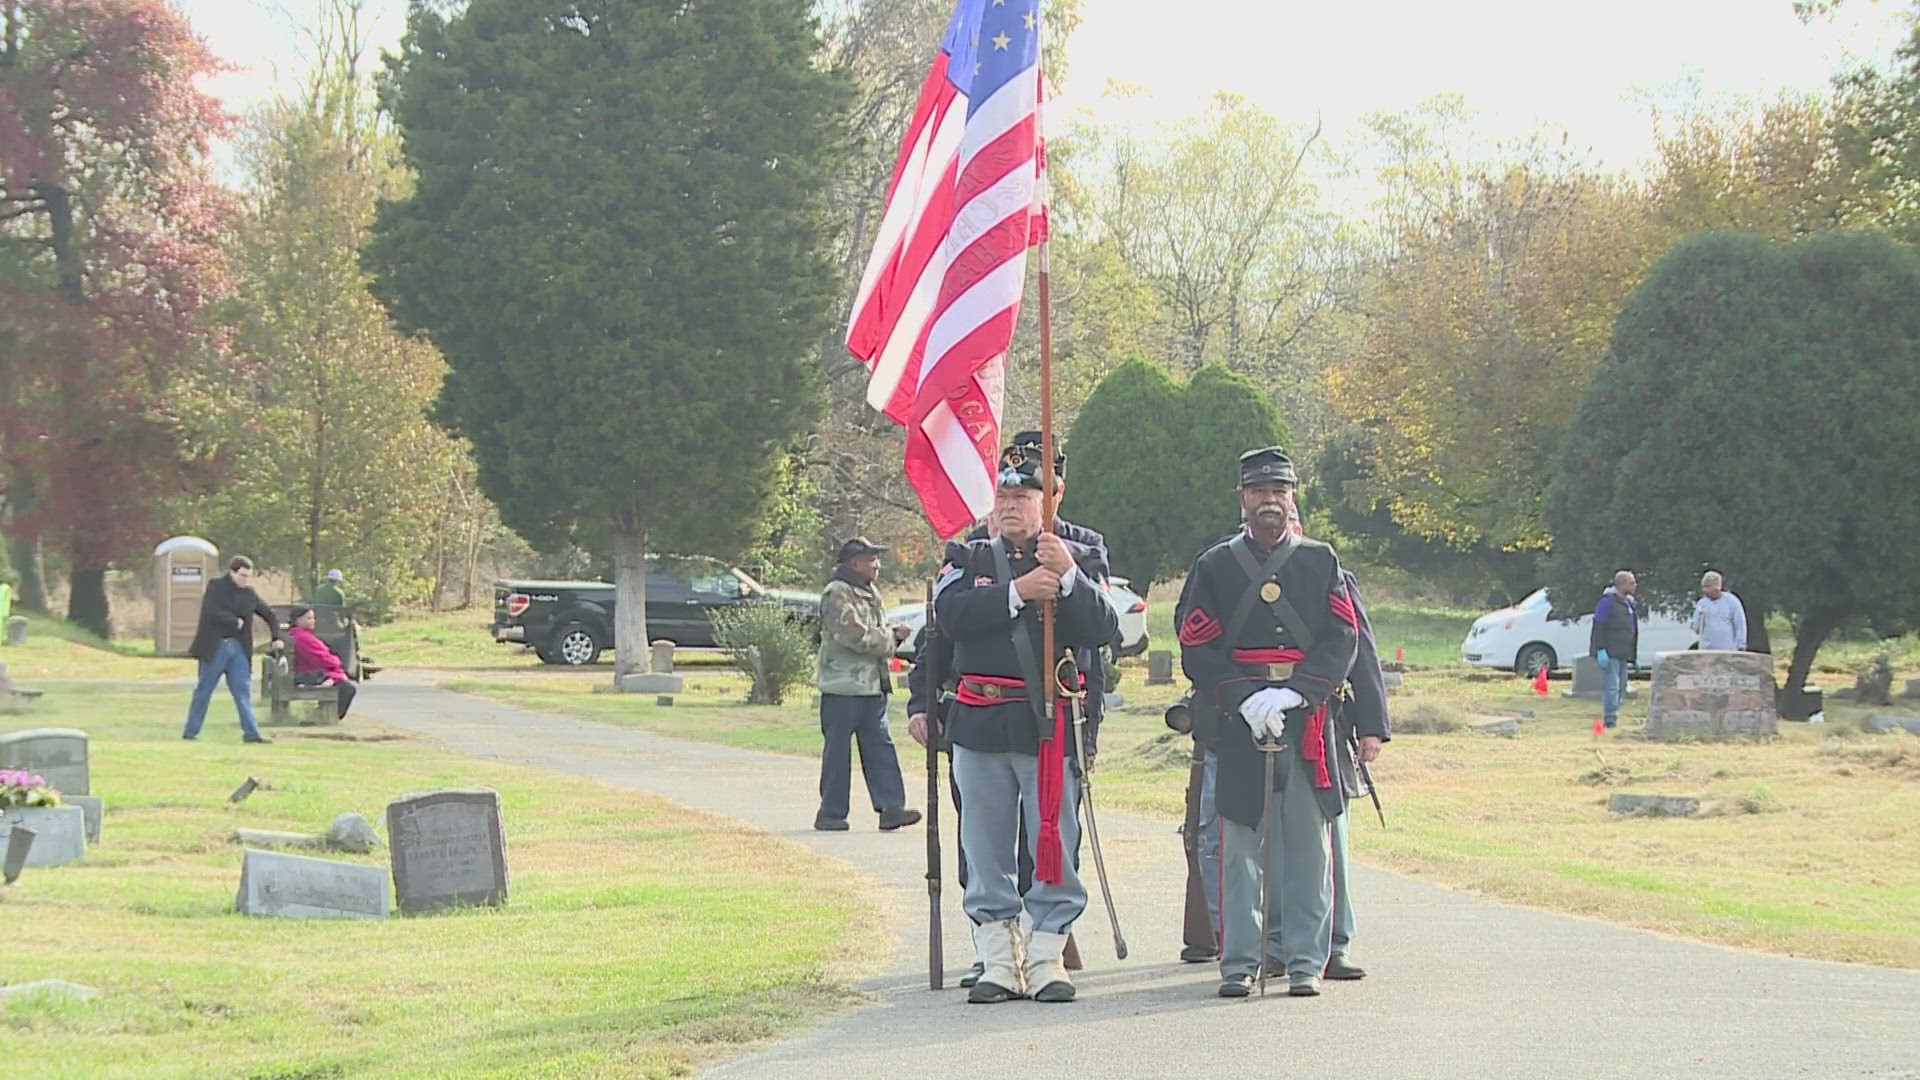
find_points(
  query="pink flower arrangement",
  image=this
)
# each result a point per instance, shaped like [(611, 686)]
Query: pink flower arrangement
[(21, 788)]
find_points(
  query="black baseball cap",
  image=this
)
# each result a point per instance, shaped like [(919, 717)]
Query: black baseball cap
[(857, 547)]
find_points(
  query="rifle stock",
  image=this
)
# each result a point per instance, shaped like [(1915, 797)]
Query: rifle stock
[(936, 946)]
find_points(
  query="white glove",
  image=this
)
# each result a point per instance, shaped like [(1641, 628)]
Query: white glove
[(1266, 711)]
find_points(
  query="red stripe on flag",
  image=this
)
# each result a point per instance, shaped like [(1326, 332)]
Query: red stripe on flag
[(946, 509), (958, 369)]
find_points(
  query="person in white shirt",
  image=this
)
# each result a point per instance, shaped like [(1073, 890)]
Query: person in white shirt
[(1718, 616)]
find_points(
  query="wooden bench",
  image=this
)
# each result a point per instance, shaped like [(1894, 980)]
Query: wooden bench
[(279, 689)]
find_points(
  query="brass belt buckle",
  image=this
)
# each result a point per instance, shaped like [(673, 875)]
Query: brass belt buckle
[(989, 690), (1279, 672)]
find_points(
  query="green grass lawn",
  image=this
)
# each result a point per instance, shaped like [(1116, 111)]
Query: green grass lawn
[(57, 650), (641, 939)]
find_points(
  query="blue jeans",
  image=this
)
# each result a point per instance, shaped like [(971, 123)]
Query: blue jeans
[(231, 661), (844, 719), (1613, 687)]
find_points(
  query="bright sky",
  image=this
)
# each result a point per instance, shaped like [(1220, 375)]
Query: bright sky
[(1523, 64)]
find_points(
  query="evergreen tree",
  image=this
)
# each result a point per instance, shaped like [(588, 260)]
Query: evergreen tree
[(1755, 415), (618, 242), (1124, 480)]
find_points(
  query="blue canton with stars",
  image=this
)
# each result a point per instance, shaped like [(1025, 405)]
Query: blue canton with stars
[(989, 43)]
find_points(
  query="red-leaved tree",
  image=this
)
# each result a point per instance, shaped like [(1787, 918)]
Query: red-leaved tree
[(110, 241)]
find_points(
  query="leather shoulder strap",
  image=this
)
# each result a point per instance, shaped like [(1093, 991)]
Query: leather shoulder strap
[(1024, 644)]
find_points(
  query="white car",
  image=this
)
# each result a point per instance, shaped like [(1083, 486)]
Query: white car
[(1524, 639), (1133, 620)]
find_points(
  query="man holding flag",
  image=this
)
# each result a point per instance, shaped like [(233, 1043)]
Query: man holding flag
[(933, 320), (1010, 756)]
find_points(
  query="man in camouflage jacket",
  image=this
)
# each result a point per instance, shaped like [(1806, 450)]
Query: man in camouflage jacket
[(855, 645)]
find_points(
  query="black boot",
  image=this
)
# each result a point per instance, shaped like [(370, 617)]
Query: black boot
[(898, 819), (973, 976)]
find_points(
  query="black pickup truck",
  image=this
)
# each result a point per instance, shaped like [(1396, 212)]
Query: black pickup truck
[(571, 622)]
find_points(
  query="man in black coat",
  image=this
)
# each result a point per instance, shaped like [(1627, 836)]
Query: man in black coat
[(224, 646), (1268, 636), (926, 706), (1013, 761), (1364, 716)]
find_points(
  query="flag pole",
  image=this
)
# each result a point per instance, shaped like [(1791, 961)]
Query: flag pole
[(1050, 486)]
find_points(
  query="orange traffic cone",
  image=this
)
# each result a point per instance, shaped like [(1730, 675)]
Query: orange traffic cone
[(1600, 728), (1400, 656), (1540, 682)]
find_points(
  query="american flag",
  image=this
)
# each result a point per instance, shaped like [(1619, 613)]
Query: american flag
[(937, 305)]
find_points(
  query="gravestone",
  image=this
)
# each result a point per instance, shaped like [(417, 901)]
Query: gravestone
[(651, 682), (51, 989), (1160, 668), (1710, 694), (1505, 727), (274, 838), (17, 630), (1653, 805), (1912, 690), (95, 809), (1586, 679), (1885, 722), (662, 661), (1392, 680), (59, 754), (59, 832), (448, 848), (300, 887)]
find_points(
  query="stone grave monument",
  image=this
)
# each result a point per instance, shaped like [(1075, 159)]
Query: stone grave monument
[(300, 887), (59, 754), (1714, 695), (449, 848)]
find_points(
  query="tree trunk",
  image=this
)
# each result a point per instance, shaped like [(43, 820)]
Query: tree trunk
[(87, 601), (1758, 640), (31, 593), (1807, 638), (630, 653)]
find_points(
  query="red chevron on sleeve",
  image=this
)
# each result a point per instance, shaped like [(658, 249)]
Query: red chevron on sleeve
[(1199, 628), (1342, 607)]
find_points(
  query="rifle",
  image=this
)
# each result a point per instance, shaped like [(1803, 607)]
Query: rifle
[(1067, 680), (930, 655), (1373, 791)]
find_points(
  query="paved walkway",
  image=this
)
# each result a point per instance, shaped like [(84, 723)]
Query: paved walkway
[(1461, 987)]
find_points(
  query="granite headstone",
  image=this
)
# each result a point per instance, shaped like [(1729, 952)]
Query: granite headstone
[(1160, 668), (59, 754), (300, 887), (449, 848), (60, 832), (96, 810), (1715, 695)]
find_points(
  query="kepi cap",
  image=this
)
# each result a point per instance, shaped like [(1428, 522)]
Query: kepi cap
[(1265, 466)]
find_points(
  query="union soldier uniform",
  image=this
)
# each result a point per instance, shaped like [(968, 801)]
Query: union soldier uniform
[(1012, 763), (1364, 713), (1268, 637), (934, 703)]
